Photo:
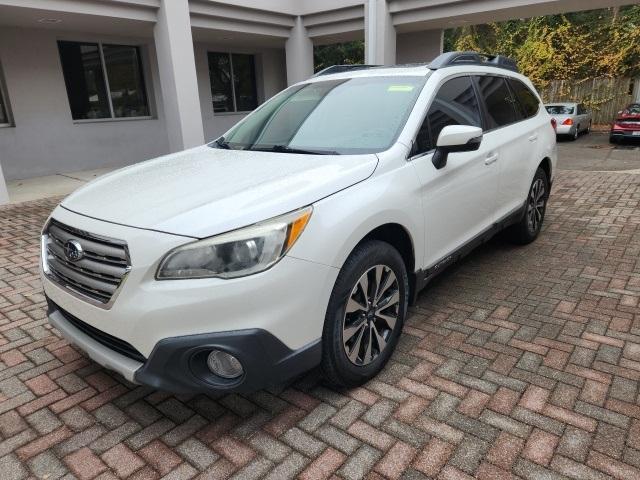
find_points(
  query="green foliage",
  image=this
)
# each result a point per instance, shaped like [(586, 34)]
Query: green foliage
[(594, 43), (589, 44), (347, 53)]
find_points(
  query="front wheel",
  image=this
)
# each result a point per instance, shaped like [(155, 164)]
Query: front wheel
[(528, 228), (365, 314)]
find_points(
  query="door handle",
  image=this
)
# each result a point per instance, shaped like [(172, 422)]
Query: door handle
[(533, 137), (491, 158)]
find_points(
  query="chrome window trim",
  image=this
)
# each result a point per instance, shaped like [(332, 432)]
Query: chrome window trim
[(66, 286)]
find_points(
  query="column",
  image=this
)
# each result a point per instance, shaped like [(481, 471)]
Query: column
[(299, 54), (379, 33), (4, 193), (419, 47), (178, 81)]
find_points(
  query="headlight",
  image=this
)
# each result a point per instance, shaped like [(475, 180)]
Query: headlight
[(238, 253)]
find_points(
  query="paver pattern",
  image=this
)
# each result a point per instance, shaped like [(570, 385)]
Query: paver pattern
[(519, 362)]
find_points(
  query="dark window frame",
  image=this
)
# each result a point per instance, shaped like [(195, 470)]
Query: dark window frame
[(4, 102), (483, 105), (413, 154), (511, 82), (232, 79), (105, 76)]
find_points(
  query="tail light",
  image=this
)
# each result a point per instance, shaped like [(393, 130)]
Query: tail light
[(554, 124), (568, 121)]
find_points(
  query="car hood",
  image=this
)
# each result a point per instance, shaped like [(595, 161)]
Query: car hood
[(205, 191)]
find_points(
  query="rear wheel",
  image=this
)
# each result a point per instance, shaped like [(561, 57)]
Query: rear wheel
[(365, 314), (576, 133), (528, 228)]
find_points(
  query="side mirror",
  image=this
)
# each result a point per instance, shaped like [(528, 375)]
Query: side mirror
[(456, 138)]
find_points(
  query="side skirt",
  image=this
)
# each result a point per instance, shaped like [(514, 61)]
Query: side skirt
[(424, 276)]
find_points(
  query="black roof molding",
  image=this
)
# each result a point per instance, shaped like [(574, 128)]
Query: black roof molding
[(342, 68), (457, 59)]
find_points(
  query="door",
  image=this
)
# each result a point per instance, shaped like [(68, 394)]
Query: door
[(512, 137), (583, 117), (458, 199)]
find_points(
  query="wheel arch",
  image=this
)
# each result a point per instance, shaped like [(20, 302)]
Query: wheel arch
[(545, 165), (399, 238)]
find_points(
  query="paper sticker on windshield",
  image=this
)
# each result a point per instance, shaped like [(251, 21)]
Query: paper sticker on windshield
[(399, 88)]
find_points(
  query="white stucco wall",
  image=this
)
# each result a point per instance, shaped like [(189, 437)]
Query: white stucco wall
[(45, 139)]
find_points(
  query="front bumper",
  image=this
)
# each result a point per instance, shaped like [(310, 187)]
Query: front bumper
[(178, 364), (264, 318)]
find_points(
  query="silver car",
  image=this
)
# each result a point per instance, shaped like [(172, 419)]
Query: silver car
[(571, 118)]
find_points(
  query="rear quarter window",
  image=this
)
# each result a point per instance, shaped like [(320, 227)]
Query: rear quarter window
[(500, 104), (529, 103)]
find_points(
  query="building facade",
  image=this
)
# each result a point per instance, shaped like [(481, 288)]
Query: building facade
[(106, 83)]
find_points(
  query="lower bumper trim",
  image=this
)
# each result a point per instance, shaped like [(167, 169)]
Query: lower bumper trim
[(101, 354), (178, 364)]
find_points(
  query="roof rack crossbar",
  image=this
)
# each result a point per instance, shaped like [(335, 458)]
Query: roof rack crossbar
[(342, 68), (456, 59)]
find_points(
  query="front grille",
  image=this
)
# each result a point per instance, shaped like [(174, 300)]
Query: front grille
[(97, 274), (109, 341)]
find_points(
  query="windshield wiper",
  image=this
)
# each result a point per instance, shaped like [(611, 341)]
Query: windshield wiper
[(221, 143), (285, 149)]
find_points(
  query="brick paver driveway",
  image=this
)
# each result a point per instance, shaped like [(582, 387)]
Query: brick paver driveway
[(518, 362)]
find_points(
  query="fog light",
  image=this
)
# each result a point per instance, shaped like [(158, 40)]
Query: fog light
[(224, 364)]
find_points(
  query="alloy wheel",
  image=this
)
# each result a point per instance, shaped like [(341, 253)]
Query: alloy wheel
[(371, 315), (536, 205)]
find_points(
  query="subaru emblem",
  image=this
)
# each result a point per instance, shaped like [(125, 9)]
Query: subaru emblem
[(73, 251)]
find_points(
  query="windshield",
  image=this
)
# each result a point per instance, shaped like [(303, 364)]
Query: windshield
[(633, 109), (559, 110), (353, 115)]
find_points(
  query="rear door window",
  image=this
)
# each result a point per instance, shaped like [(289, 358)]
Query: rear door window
[(500, 104), (454, 104), (528, 101)]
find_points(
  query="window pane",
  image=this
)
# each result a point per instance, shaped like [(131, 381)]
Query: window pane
[(559, 110), (83, 77), (528, 101), (220, 77), (500, 104), (126, 84), (4, 118), (244, 78), (455, 104)]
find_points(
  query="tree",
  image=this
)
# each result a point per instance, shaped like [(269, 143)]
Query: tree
[(347, 53), (604, 42)]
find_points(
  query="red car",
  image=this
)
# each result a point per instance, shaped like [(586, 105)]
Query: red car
[(627, 124)]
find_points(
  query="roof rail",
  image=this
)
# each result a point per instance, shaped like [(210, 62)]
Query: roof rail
[(342, 68), (456, 59)]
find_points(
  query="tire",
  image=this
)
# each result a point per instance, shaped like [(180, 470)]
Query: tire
[(613, 140), (589, 128), (349, 359), (528, 228), (575, 135)]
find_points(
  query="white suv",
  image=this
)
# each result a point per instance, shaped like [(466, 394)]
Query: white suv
[(300, 237)]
